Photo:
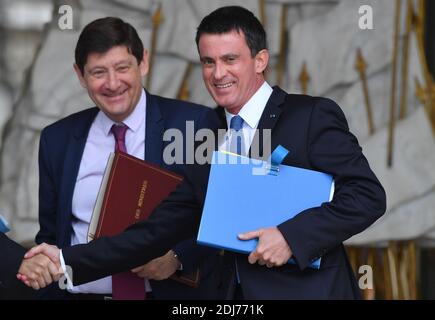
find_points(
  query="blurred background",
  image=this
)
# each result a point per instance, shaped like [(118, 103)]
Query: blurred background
[(375, 58)]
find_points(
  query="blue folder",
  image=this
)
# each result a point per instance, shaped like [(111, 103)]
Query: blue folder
[(243, 195), (4, 226)]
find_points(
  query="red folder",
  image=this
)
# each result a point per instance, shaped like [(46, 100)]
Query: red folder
[(130, 190)]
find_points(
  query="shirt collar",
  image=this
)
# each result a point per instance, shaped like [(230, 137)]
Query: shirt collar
[(251, 112), (133, 121)]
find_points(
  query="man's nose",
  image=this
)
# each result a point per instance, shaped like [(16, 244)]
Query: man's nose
[(219, 71), (112, 82)]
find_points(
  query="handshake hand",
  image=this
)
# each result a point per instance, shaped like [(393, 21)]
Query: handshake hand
[(41, 266)]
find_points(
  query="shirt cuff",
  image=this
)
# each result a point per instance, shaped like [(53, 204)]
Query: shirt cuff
[(66, 271)]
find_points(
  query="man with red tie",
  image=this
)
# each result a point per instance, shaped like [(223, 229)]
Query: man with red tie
[(110, 62)]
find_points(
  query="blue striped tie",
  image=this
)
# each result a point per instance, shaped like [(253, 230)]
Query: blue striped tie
[(237, 146), (237, 140)]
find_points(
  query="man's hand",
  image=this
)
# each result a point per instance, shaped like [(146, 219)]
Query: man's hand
[(272, 250), (160, 268), (40, 267), (38, 272)]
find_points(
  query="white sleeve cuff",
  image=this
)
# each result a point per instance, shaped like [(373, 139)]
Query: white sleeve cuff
[(66, 271)]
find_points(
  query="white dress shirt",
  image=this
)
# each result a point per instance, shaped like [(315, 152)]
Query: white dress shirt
[(251, 113), (99, 144)]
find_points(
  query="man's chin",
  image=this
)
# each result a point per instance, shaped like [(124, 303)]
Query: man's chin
[(221, 102), (114, 112), (227, 105)]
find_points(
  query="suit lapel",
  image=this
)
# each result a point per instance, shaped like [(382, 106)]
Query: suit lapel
[(153, 131), (73, 156), (273, 110), (269, 117), (220, 111)]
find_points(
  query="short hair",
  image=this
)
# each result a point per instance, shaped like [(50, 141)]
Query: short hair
[(103, 34), (227, 19)]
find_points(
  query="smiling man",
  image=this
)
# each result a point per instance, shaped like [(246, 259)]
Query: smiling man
[(232, 76), (112, 79), (110, 62)]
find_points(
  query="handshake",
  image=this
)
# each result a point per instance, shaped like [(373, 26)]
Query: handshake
[(41, 266)]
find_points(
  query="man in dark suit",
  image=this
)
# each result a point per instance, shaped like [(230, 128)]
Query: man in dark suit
[(12, 255), (110, 62), (232, 48)]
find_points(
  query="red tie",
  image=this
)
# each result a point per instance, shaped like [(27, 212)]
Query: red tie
[(125, 285), (119, 132)]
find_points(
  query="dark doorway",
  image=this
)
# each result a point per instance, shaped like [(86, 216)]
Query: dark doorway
[(428, 254)]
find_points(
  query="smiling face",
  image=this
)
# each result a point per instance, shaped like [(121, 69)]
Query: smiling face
[(113, 81), (230, 73)]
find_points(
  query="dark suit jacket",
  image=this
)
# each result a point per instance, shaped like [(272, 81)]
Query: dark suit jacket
[(61, 149), (11, 256), (316, 133)]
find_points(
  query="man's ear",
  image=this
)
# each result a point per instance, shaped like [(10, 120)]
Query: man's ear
[(261, 60), (144, 64), (79, 75)]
